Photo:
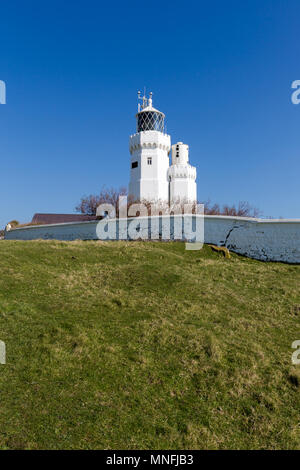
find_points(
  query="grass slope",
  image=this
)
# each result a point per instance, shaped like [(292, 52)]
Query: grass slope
[(145, 345)]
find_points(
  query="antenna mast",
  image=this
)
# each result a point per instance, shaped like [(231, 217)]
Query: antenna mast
[(145, 101)]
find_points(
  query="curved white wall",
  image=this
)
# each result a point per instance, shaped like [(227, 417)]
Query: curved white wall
[(267, 240)]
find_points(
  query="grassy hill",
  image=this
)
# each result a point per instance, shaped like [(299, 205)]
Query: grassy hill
[(145, 345)]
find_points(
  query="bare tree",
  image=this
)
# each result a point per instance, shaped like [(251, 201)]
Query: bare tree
[(88, 204)]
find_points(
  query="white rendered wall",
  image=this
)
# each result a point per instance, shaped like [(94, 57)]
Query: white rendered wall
[(183, 189), (267, 240), (149, 181)]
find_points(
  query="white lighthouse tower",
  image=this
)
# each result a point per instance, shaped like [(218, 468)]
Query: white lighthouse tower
[(182, 176), (149, 149)]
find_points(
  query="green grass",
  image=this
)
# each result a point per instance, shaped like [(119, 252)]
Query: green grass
[(146, 346)]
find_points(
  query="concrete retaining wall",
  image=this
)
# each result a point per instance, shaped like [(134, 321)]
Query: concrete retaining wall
[(267, 240)]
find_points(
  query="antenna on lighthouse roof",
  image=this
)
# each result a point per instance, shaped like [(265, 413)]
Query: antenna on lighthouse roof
[(150, 99), (145, 101)]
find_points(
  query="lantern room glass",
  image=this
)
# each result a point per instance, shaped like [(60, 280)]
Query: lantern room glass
[(150, 121)]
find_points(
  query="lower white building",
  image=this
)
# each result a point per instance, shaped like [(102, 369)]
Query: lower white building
[(151, 176)]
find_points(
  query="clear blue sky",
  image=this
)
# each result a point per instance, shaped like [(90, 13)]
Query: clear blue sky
[(221, 71)]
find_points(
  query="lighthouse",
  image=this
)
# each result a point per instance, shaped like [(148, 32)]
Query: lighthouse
[(152, 179), (149, 148)]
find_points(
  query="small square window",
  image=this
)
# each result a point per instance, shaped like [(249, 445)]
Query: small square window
[(149, 160), (134, 164)]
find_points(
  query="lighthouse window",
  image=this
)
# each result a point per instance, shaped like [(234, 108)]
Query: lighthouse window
[(149, 161), (134, 164)]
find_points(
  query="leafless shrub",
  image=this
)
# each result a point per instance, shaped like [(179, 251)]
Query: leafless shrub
[(88, 205), (244, 209)]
